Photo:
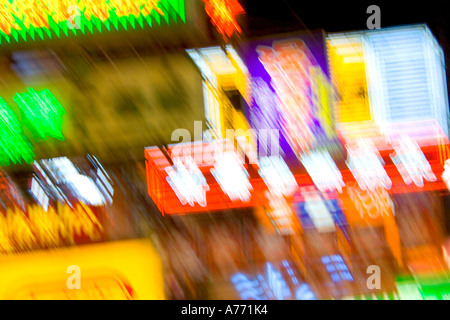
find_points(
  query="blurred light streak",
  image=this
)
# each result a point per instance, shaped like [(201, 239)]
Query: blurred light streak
[(446, 174), (272, 285), (13, 144), (277, 176), (232, 176), (223, 16), (43, 113), (336, 268), (63, 172), (281, 214), (288, 64), (317, 210), (223, 71), (366, 165), (39, 193), (187, 181), (411, 162), (323, 171), (38, 228)]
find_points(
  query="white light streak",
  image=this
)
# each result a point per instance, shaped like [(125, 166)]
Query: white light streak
[(230, 173), (187, 181)]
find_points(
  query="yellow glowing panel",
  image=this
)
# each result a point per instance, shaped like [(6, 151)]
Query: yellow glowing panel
[(121, 270), (349, 76), (25, 19)]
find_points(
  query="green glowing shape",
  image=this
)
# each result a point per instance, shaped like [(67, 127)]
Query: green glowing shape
[(424, 287), (13, 143), (42, 112), (173, 12)]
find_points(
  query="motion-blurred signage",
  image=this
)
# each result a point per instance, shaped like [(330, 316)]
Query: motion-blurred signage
[(32, 20), (194, 177), (38, 228), (120, 270), (291, 90), (272, 285), (197, 177)]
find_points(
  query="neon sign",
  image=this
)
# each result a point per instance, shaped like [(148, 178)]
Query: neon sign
[(232, 177), (318, 210), (227, 181), (231, 183), (187, 181), (42, 115), (21, 20), (272, 285), (277, 176), (288, 64), (281, 214), (77, 186), (323, 171), (223, 16), (411, 162), (14, 146), (291, 92), (39, 228), (366, 165), (336, 268)]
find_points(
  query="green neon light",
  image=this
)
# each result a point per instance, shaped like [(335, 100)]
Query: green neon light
[(16, 26), (14, 146), (429, 287), (42, 113)]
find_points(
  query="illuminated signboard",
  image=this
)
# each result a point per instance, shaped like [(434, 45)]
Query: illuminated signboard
[(281, 214), (92, 187), (119, 270), (272, 285), (42, 115), (223, 72), (291, 90), (223, 16), (336, 268), (319, 210), (57, 226), (174, 85), (391, 82), (14, 146), (424, 287), (22, 20), (411, 162), (202, 177), (366, 165), (192, 178)]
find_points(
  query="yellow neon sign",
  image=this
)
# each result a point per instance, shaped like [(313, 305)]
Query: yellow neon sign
[(41, 229)]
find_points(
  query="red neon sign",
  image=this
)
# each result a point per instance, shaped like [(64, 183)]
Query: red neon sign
[(162, 179), (169, 200)]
